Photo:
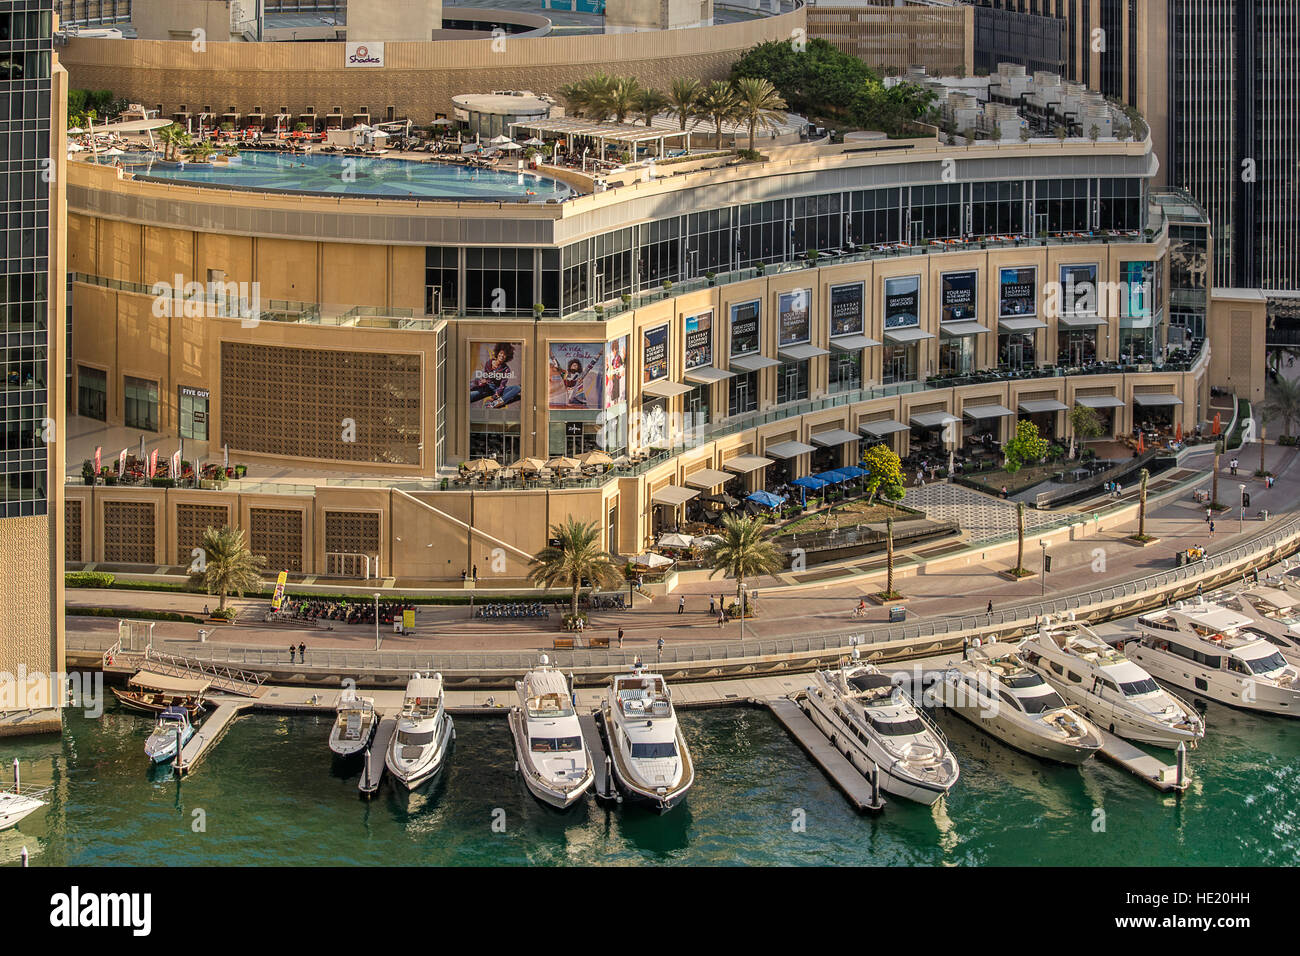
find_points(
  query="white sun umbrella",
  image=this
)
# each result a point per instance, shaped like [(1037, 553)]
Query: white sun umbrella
[(499, 140), (76, 131), (674, 540), (650, 560), (511, 146), (534, 141), (708, 541)]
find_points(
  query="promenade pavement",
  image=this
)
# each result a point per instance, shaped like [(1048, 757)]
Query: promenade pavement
[(782, 610)]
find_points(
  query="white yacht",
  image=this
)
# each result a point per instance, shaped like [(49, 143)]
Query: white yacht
[(1206, 649), (172, 723), (19, 802), (650, 759), (995, 691), (1111, 690), (354, 724), (548, 738), (424, 733), (872, 721), (1275, 616)]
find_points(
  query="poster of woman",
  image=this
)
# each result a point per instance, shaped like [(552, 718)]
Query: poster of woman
[(616, 372), (576, 374), (495, 380)]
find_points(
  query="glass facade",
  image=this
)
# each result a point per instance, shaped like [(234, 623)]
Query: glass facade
[(26, 52), (140, 396)]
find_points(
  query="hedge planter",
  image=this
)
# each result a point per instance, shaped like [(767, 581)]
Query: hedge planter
[(1017, 574)]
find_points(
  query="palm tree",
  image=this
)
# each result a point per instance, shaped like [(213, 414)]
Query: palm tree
[(1214, 489), (174, 138), (578, 556), (1143, 475), (575, 99), (199, 152), (597, 96), (683, 98), (889, 557), (1282, 402), (624, 95), (227, 564), (649, 104), (759, 105), (743, 553), (718, 104), (1020, 538)]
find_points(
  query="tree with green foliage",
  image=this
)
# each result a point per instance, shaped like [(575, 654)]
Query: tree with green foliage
[(758, 105), (812, 77), (683, 98), (743, 553), (1282, 402), (892, 109), (1026, 446), (576, 558), (884, 473), (649, 104), (624, 95), (174, 140), (718, 104), (226, 565)]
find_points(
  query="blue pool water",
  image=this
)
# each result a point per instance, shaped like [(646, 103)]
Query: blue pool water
[(355, 176)]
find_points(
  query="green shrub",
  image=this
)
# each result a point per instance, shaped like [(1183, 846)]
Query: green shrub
[(88, 579)]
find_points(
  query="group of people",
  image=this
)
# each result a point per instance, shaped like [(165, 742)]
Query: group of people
[(1114, 489), (301, 650)]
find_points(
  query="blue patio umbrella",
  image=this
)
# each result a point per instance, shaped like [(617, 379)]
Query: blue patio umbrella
[(853, 471), (809, 482), (834, 477), (765, 498)]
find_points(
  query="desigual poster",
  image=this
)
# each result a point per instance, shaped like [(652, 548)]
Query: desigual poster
[(616, 374), (495, 381)]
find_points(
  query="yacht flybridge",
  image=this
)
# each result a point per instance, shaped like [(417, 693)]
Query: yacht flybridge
[(1111, 690), (1208, 649), (424, 732), (650, 759), (548, 738), (1275, 616), (997, 692), (873, 722)]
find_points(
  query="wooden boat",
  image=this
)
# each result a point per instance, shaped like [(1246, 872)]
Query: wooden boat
[(152, 693)]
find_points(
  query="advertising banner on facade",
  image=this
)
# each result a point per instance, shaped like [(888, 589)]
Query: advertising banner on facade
[(654, 354), (616, 374), (1138, 279), (495, 381), (847, 309), (745, 338), (959, 296), (902, 301), (369, 54), (577, 375), (1017, 292), (1079, 289), (794, 324), (699, 340)]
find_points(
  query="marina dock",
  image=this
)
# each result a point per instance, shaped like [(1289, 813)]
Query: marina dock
[(855, 787), (372, 773), (592, 734), (209, 732), (1164, 777)]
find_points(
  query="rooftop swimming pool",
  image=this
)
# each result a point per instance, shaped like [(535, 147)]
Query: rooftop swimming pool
[(353, 176)]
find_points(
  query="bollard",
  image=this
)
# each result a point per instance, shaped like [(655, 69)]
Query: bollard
[(178, 749), (365, 771), (1181, 764), (875, 784), (24, 855), (16, 786), (609, 775)]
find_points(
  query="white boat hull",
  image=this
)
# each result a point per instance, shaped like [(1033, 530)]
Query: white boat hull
[(15, 807), (161, 748), (351, 748), (1217, 685), (662, 799), (414, 772), (1018, 732), (556, 793)]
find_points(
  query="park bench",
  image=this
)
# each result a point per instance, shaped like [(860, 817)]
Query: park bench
[(563, 643)]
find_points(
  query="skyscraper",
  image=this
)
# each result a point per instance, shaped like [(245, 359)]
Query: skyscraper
[(33, 105)]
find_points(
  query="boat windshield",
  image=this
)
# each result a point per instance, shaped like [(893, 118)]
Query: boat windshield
[(555, 745), (910, 727), (412, 738), (645, 751), (1021, 681), (1265, 665), (1041, 702), (1137, 688)]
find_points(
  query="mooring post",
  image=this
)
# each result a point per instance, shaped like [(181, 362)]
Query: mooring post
[(1181, 764), (875, 784), (179, 747)]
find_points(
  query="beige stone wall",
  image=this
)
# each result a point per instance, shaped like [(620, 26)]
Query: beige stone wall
[(418, 79), (1236, 324), (942, 39)]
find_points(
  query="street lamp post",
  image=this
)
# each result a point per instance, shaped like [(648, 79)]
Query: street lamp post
[(376, 620), (1042, 571), (1241, 501)]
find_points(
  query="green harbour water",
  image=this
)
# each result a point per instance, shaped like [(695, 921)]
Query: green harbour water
[(270, 794)]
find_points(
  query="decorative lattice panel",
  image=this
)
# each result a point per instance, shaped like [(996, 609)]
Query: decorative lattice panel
[(277, 533), (354, 532), (129, 532), (72, 530), (319, 403), (191, 522)]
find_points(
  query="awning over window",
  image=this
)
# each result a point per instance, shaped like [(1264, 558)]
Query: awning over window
[(707, 375), (752, 363), (788, 449), (986, 411), (955, 329), (834, 436), (852, 343), (665, 389), (934, 419), (1021, 325), (1099, 401), (744, 464), (906, 336), (707, 478), (881, 428), (1157, 398), (1043, 405), (1080, 321), (673, 495), (801, 353)]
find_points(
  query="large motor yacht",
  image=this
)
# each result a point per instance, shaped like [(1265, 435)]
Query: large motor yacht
[(548, 738), (1207, 649), (424, 732), (650, 758), (995, 691), (1111, 690), (874, 722), (1275, 616)]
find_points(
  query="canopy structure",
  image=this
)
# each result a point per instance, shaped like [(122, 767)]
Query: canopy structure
[(665, 389), (811, 482), (853, 471), (1099, 401), (707, 375), (765, 498), (167, 684), (674, 540), (953, 330), (708, 478), (834, 436), (1024, 324), (673, 495), (744, 464), (650, 560), (789, 449), (934, 419), (1080, 321), (907, 336), (882, 427), (1159, 398), (833, 477), (607, 134), (800, 353), (853, 343), (753, 363), (986, 411), (1035, 405)]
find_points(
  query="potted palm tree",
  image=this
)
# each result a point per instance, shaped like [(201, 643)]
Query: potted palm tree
[(743, 553), (227, 566), (576, 556)]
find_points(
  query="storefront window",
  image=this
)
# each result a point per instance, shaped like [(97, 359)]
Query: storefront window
[(845, 372), (193, 406), (742, 393), (141, 403), (1016, 350), (499, 440), (792, 382), (92, 393), (899, 364), (1076, 347), (957, 355)]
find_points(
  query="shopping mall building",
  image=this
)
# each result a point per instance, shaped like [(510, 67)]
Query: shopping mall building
[(729, 327)]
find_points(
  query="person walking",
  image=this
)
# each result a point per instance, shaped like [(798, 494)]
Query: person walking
[(681, 605), (1211, 529), (475, 572), (1208, 512), (990, 610), (712, 605), (292, 650), (620, 637), (722, 617), (660, 651), (302, 653)]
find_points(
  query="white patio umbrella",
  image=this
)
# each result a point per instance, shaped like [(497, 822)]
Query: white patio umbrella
[(675, 540), (499, 140), (650, 560), (531, 141), (511, 147)]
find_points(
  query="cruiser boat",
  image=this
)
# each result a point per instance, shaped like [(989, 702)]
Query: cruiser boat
[(1275, 616), (16, 804), (548, 738), (649, 756), (1108, 688), (872, 721), (172, 723), (995, 691), (354, 725), (151, 693), (424, 731), (1207, 649)]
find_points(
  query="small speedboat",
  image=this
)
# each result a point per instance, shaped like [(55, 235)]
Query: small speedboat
[(173, 725), (354, 725), (19, 802)]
